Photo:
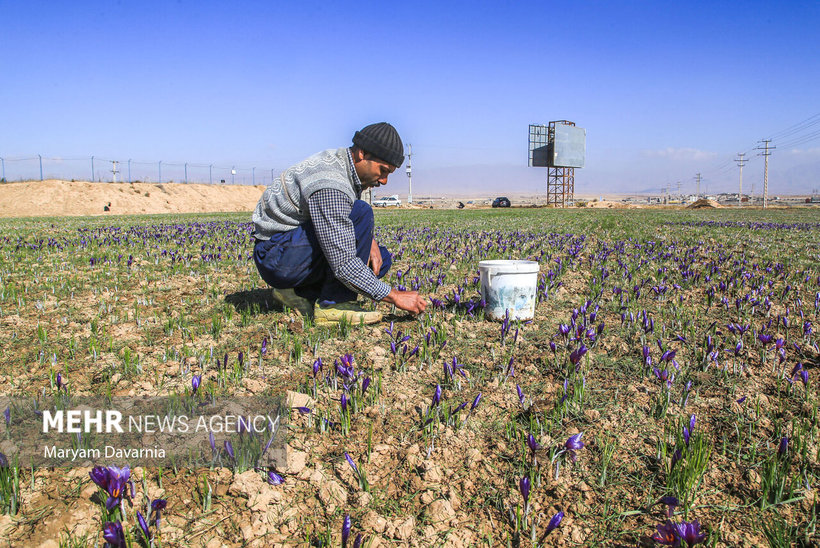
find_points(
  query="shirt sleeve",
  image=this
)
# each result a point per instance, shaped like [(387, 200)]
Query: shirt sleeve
[(330, 213)]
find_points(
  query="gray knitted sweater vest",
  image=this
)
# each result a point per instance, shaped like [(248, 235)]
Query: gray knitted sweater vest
[(284, 204)]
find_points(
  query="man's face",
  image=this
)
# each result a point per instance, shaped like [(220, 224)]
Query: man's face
[(373, 171)]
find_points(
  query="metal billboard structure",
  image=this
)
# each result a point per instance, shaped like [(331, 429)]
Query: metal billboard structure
[(559, 146)]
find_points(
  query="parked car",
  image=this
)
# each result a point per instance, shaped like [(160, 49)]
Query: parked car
[(501, 201), (387, 201)]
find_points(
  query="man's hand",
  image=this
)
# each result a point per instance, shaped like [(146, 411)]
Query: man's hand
[(375, 257), (410, 301)]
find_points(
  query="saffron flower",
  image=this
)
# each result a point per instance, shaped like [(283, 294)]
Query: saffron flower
[(690, 533), (576, 355), (520, 395), (783, 448), (671, 503), (112, 480), (351, 463), (113, 534), (574, 444), (196, 380), (143, 525), (532, 444), (437, 395), (157, 506), (345, 530), (475, 402), (229, 448), (554, 523), (524, 487), (667, 534), (274, 478)]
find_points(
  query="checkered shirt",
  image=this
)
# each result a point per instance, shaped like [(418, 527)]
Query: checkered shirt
[(330, 213)]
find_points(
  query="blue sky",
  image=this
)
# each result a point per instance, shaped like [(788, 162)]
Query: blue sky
[(664, 90)]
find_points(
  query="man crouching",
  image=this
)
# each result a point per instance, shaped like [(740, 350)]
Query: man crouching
[(314, 235)]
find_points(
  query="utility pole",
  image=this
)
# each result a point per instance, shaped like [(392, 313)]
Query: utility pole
[(129, 171), (160, 172), (41, 166), (740, 162), (680, 198), (186, 173), (410, 173), (92, 169), (114, 169), (698, 178), (2, 161), (765, 155)]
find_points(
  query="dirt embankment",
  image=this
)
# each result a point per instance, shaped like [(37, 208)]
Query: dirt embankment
[(64, 198)]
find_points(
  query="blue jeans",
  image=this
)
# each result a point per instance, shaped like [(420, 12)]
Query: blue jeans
[(294, 259)]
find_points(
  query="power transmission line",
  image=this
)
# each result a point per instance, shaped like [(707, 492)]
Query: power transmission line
[(765, 155)]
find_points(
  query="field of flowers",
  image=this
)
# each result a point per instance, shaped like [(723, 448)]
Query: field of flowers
[(664, 394)]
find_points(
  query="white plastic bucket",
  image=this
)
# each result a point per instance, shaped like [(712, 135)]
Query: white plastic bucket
[(509, 285)]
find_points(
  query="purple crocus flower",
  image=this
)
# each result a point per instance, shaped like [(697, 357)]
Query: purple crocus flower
[(667, 534), (804, 376), (524, 487), (229, 448), (345, 530), (742, 399), (351, 463), (554, 523), (358, 542), (143, 525), (196, 380), (7, 415), (574, 444), (532, 444), (475, 402), (60, 384), (274, 478), (157, 506), (113, 534), (264, 346), (304, 410), (690, 533), (212, 442), (576, 355), (365, 384), (671, 503), (783, 447), (343, 402), (676, 456), (520, 395), (437, 395), (113, 480)]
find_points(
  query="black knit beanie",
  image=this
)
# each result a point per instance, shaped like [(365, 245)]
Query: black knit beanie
[(381, 140)]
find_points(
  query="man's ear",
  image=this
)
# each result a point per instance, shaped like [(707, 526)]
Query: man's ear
[(358, 154)]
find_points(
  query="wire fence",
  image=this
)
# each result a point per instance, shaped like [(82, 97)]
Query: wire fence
[(106, 170)]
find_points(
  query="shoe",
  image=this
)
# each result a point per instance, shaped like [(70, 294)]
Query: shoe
[(288, 298), (350, 311)]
